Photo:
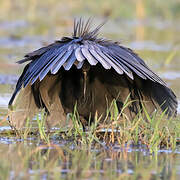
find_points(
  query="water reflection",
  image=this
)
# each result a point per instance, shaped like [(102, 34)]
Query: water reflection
[(60, 161)]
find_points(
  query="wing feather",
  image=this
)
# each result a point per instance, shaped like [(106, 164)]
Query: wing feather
[(35, 67), (138, 69), (61, 61), (129, 62), (113, 59), (70, 62), (80, 57), (80, 64), (134, 61), (116, 67), (88, 56), (50, 64), (43, 61), (45, 69), (93, 52), (71, 59), (33, 55), (121, 66)]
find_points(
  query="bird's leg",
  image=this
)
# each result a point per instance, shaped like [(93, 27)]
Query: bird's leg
[(85, 70), (85, 79)]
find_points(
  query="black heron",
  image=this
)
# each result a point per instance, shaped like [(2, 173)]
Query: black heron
[(88, 71)]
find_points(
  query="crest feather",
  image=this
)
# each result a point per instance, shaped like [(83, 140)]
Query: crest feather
[(82, 29)]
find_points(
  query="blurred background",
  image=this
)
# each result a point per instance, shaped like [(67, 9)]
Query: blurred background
[(151, 28)]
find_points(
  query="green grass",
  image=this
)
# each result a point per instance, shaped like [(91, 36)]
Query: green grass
[(152, 132)]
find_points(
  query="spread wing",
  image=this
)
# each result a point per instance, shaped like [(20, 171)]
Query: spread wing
[(83, 46), (109, 55)]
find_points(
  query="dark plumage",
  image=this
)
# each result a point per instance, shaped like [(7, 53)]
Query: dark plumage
[(95, 71)]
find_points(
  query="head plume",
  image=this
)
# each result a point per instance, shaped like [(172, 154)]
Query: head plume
[(82, 29)]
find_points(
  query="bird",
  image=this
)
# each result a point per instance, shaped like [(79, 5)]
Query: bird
[(90, 72)]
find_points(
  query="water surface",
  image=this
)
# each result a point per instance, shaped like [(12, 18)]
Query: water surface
[(154, 40)]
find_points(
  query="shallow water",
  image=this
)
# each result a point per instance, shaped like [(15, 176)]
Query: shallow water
[(68, 161), (154, 40)]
